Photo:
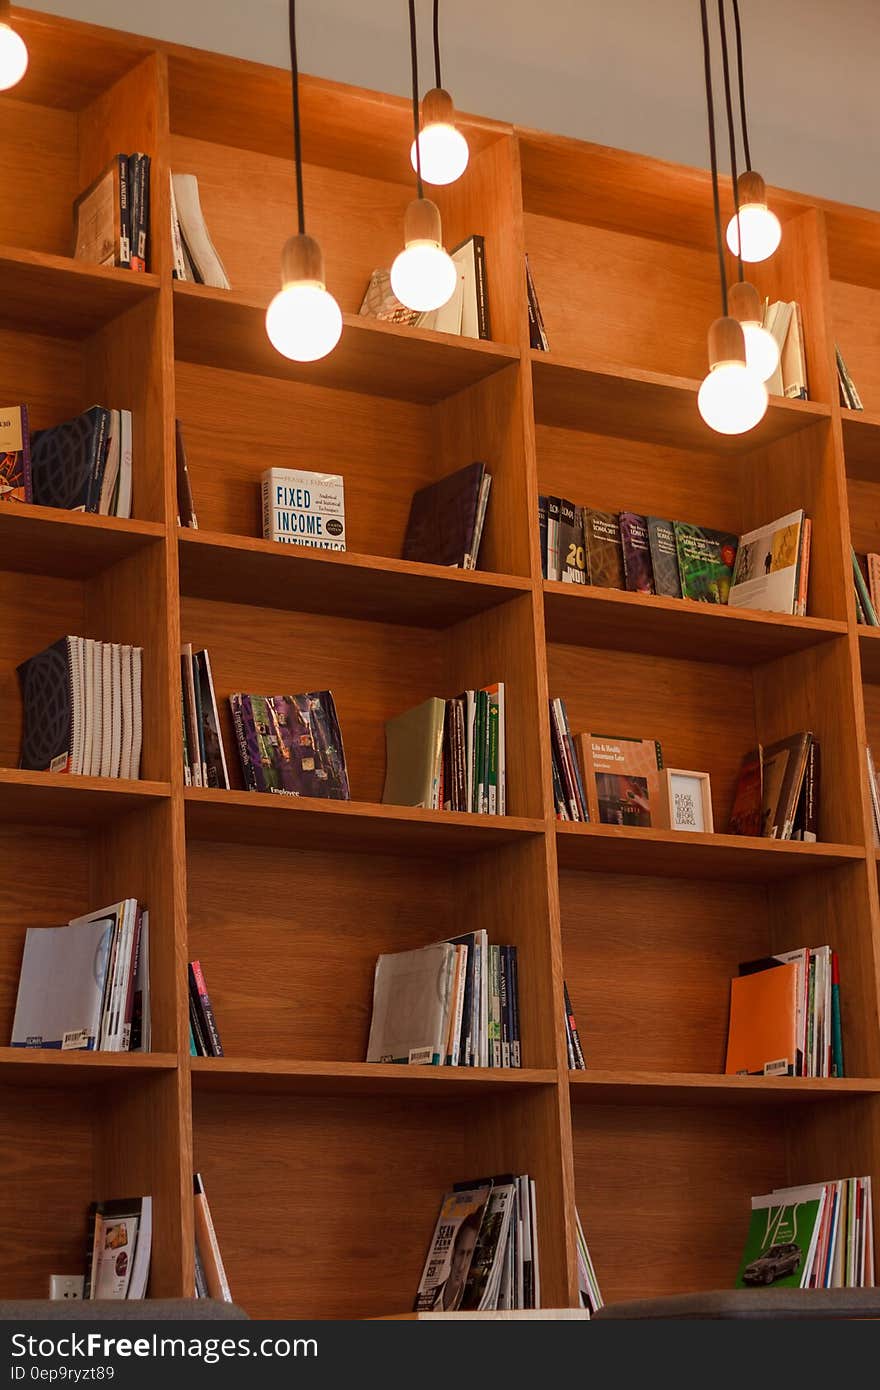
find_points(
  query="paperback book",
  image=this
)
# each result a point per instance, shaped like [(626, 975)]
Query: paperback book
[(291, 744), (622, 779), (15, 455), (302, 508)]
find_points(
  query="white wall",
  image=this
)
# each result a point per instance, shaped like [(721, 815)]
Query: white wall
[(625, 73)]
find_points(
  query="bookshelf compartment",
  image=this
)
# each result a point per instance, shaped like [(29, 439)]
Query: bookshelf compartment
[(68, 545), (363, 1255), (290, 970), (854, 309)]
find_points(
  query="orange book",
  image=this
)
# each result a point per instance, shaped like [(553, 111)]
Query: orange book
[(763, 1020)]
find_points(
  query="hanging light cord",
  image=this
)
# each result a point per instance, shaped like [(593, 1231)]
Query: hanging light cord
[(437, 81), (297, 142), (713, 153), (731, 134), (414, 53), (742, 86)]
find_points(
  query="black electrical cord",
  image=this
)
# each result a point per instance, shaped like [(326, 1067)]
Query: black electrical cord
[(742, 87), (713, 153), (731, 135), (437, 81), (414, 52), (297, 143)]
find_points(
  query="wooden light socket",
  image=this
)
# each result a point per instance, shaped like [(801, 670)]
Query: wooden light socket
[(422, 222), (437, 108), (751, 188), (302, 259), (744, 303), (726, 342)]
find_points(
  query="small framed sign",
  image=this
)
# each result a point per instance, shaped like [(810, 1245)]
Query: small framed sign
[(688, 799)]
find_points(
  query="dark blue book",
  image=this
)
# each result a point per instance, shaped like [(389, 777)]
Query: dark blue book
[(48, 704), (67, 461)]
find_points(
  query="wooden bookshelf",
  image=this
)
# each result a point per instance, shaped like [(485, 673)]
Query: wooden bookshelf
[(288, 904)]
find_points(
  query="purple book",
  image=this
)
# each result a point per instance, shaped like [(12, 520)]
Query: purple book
[(291, 744), (637, 565)]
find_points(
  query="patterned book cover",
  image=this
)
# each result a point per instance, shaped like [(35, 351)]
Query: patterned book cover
[(705, 562), (442, 518), (623, 779), (291, 744), (67, 461), (664, 557), (380, 302), (15, 455), (604, 549), (47, 698), (637, 566)]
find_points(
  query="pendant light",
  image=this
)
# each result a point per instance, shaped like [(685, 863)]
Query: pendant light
[(732, 398), (762, 349), (442, 147), (13, 51), (423, 276), (303, 322), (754, 232)]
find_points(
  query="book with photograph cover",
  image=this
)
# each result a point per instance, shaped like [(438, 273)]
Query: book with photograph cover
[(622, 779), (705, 562), (445, 1275), (767, 570), (15, 455), (291, 744)]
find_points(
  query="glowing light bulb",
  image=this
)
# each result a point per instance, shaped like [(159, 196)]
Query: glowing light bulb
[(423, 276), (13, 57), (444, 153), (303, 322), (732, 398), (762, 350), (761, 232)]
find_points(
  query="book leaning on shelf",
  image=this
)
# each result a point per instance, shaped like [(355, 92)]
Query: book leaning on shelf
[(449, 755), (455, 1003), (86, 986), (204, 1035), (819, 1236), (84, 464), (112, 216), (777, 793), (118, 1248), (291, 744), (484, 1251), (866, 586), (784, 323), (537, 332), (195, 257), (210, 1273), (849, 396), (82, 709), (466, 312), (785, 1015), (574, 1049), (446, 519), (204, 758)]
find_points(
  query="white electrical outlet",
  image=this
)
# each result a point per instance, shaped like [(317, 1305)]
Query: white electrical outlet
[(65, 1286)]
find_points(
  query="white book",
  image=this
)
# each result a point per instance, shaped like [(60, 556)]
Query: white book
[(140, 1272), (536, 1263), (61, 985), (180, 267), (411, 992), (191, 713), (115, 915), (500, 1209), (108, 711), (97, 706), (88, 648), (447, 319), (464, 257), (470, 715), (78, 674), (194, 232), (794, 362), (303, 508), (111, 466), (142, 984), (137, 714), (115, 709), (777, 318), (117, 1036), (122, 497), (125, 749), (117, 1236), (765, 573)]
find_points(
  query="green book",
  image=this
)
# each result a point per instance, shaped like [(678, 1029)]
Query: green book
[(781, 1242), (705, 562)]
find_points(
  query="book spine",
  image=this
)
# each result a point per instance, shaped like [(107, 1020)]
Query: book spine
[(557, 718), (124, 250), (179, 271), (482, 288), (580, 1064), (545, 343), (534, 331), (804, 569), (862, 592), (136, 183), (513, 987), (208, 1245), (812, 780), (200, 721), (558, 792), (100, 443), (494, 1007), (195, 1025), (874, 580), (250, 776), (487, 740), (185, 504), (504, 1002), (206, 1008), (542, 531)]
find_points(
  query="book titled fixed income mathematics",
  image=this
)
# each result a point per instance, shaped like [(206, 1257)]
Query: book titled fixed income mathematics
[(302, 508)]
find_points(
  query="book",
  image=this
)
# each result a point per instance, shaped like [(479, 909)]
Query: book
[(483, 1283), (542, 533), (746, 817), (102, 217), (537, 332), (569, 791), (202, 1000), (61, 986), (588, 1284), (446, 519), (208, 1246), (604, 549), (635, 544), (762, 1037), (15, 455), (411, 994), (195, 238), (622, 778), (444, 1277), (470, 257), (186, 511), (413, 763), (139, 183), (67, 461), (783, 769), (664, 557), (118, 1248), (570, 544), (575, 1051), (781, 1239), (806, 821), (553, 508), (867, 612), (53, 709), (291, 744), (783, 319), (706, 560), (766, 572), (303, 508), (849, 396), (214, 769), (380, 302)]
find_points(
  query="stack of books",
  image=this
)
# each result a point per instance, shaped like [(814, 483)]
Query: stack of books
[(778, 791), (849, 396), (455, 1003), (766, 569), (449, 755), (210, 1278), (82, 708), (783, 321), (195, 255), (466, 312), (118, 1248), (818, 1236), (204, 761), (86, 986), (112, 217), (291, 744), (588, 1284), (866, 584), (204, 1036), (785, 1015), (484, 1253), (82, 465), (605, 779), (572, 1037)]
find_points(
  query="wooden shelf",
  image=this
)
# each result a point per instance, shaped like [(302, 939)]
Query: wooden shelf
[(580, 615), (580, 394), (869, 651), (861, 444), (251, 1075), (254, 818), (691, 854), (64, 298), (46, 798), (695, 1088), (25, 1066), (68, 545), (239, 569), (219, 328)]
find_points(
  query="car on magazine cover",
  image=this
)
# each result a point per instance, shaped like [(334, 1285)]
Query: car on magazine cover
[(774, 1264)]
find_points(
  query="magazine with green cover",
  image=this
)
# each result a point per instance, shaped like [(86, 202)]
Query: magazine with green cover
[(782, 1237), (705, 562)]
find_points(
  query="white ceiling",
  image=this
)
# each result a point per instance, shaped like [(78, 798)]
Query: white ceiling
[(627, 74)]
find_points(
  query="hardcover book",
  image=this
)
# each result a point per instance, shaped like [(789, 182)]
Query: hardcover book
[(67, 461), (762, 1034), (604, 549), (446, 519), (664, 557), (746, 815), (413, 765), (572, 562), (15, 455), (302, 508), (622, 778), (784, 766), (766, 572), (291, 744), (637, 566), (705, 562)]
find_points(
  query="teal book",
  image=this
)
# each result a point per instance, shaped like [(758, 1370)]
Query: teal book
[(836, 1031)]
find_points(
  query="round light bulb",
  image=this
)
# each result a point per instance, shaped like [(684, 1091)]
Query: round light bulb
[(423, 276), (303, 321), (13, 57), (732, 398), (444, 153), (762, 350), (761, 232)]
